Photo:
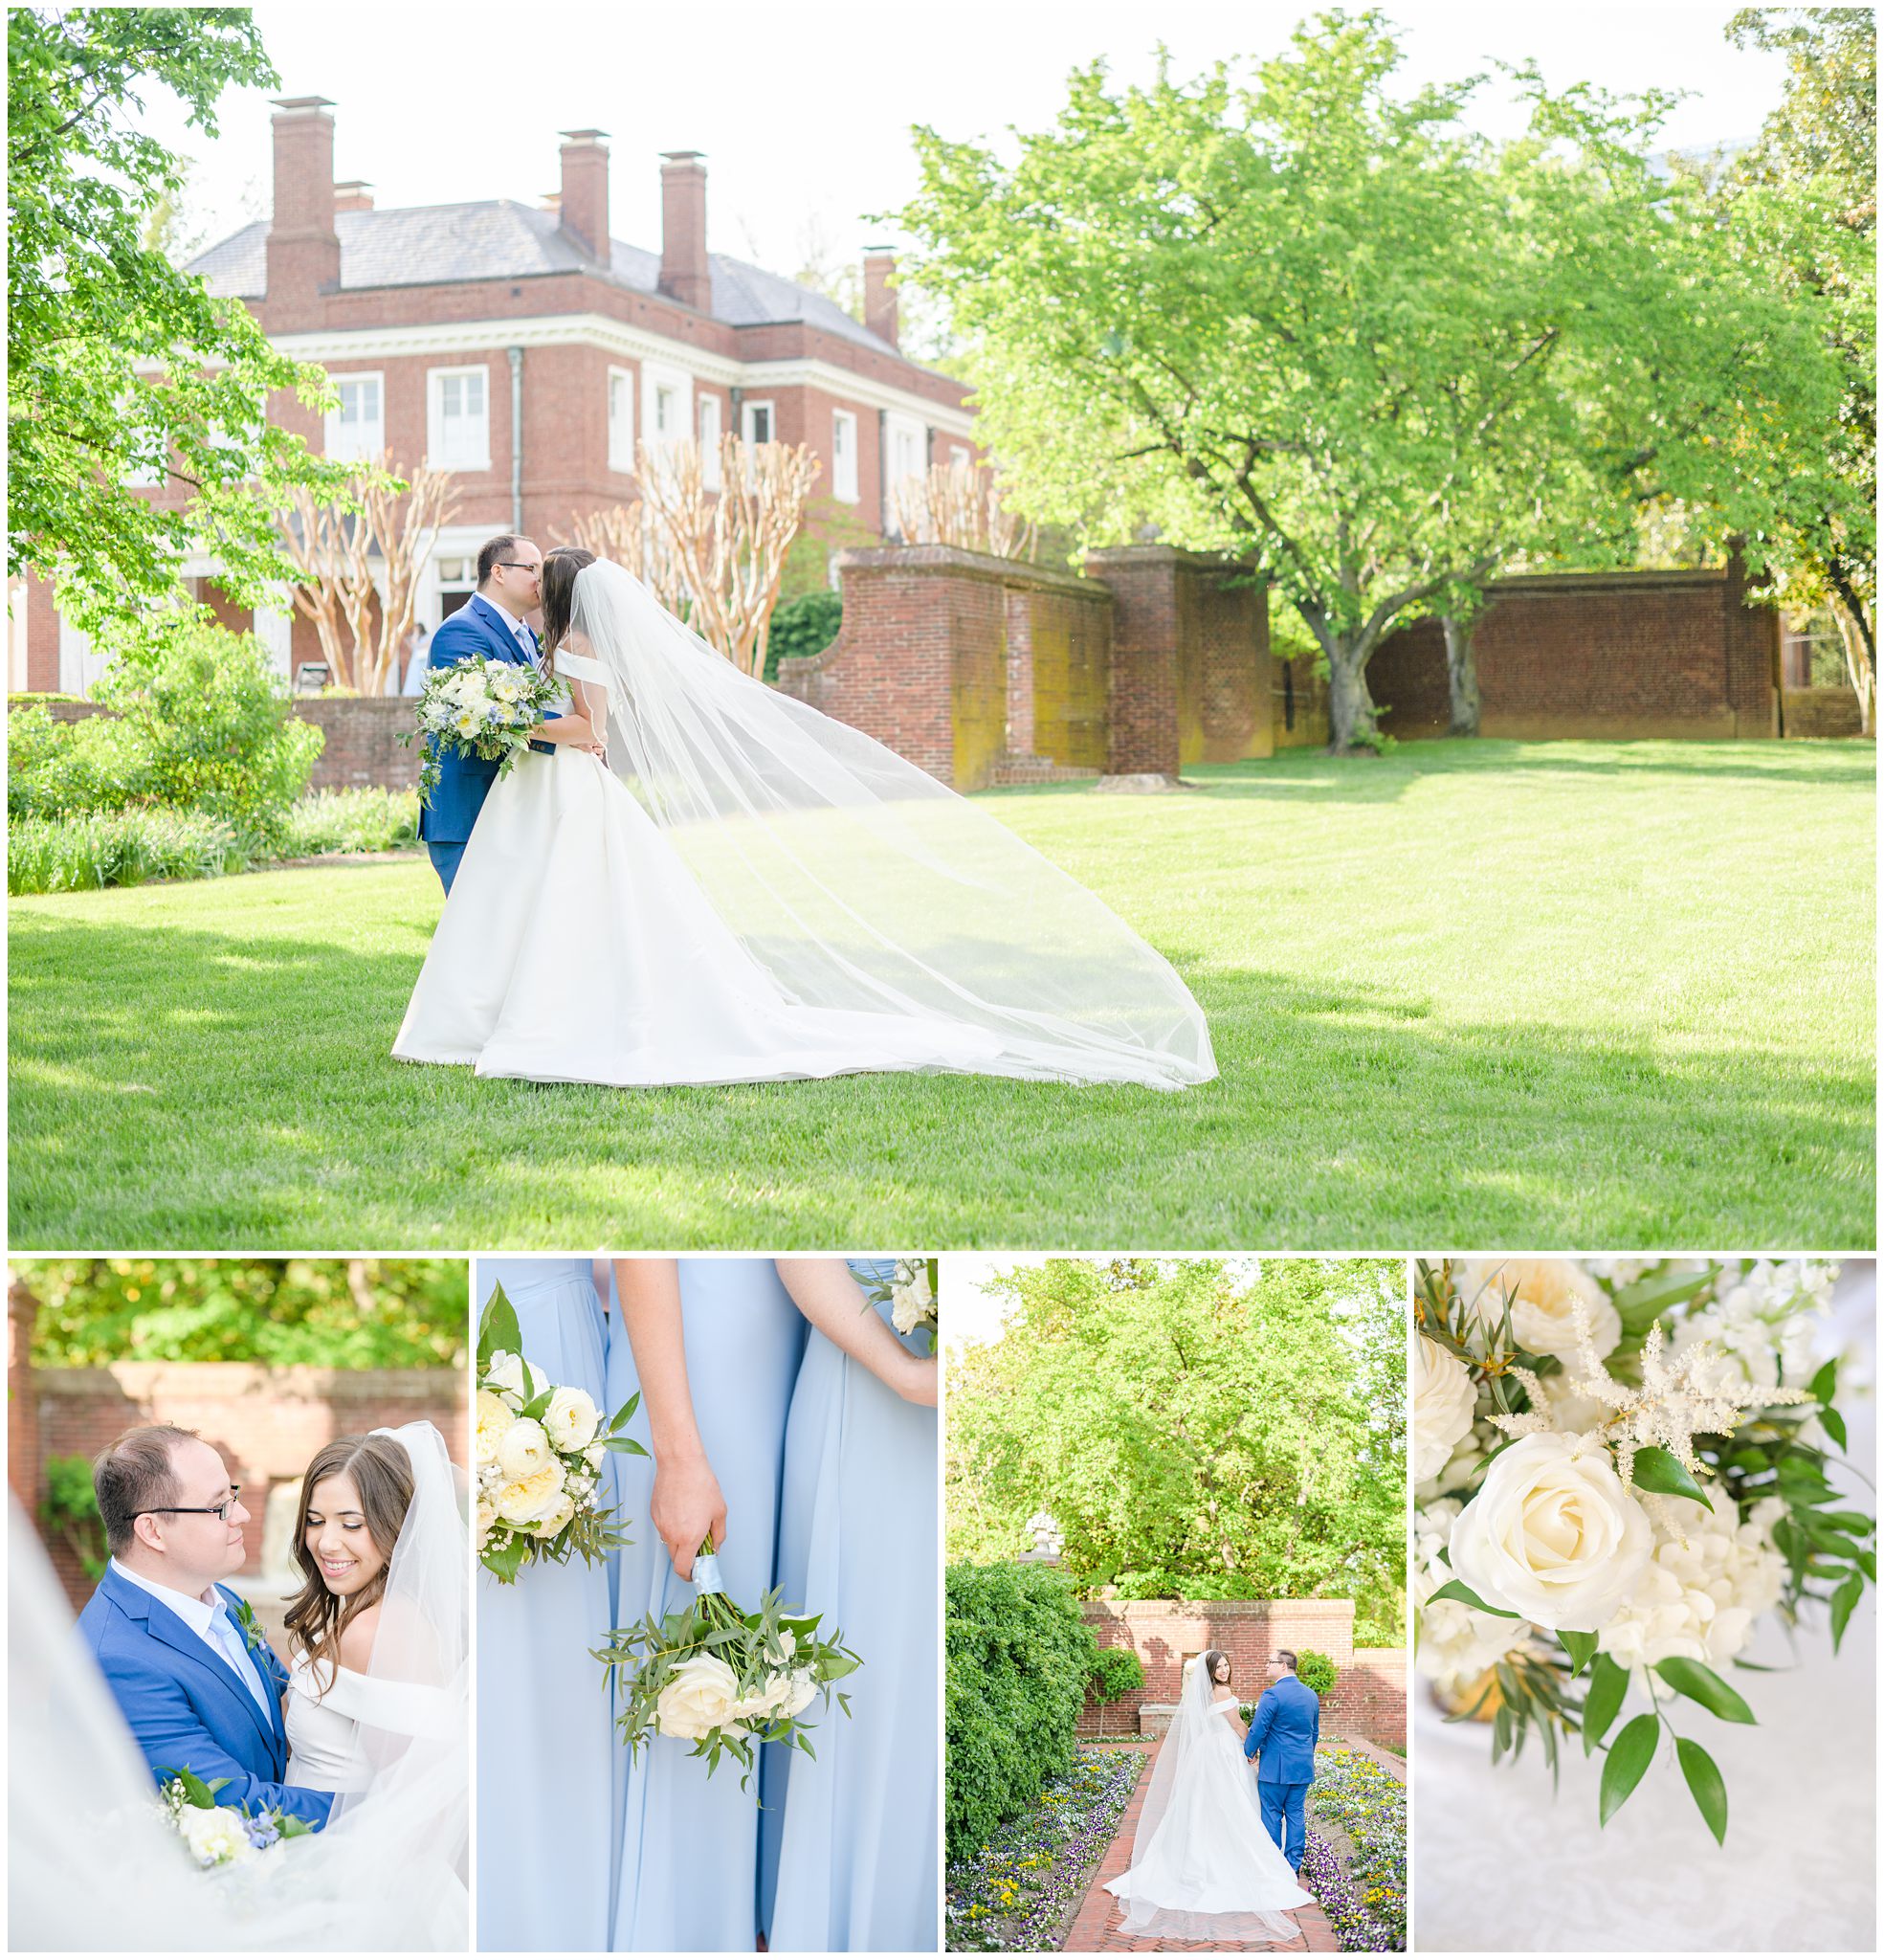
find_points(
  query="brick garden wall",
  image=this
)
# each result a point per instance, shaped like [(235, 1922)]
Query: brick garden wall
[(1628, 654), (1820, 713), (1369, 1698)]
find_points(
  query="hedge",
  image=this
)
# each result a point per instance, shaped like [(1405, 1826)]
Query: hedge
[(1018, 1659)]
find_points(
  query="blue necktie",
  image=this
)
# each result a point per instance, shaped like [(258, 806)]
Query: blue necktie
[(234, 1649)]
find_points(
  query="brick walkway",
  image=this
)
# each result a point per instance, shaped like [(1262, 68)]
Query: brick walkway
[(1096, 1925)]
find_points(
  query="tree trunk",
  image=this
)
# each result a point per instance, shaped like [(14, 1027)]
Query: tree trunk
[(1351, 710), (1461, 676), (1857, 666)]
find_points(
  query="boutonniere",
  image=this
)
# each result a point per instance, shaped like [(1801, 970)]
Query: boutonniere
[(253, 1636)]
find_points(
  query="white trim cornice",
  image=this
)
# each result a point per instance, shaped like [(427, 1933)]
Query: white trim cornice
[(624, 342)]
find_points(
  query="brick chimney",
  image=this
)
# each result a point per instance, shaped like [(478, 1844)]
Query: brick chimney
[(684, 274), (583, 202), (355, 195), (879, 295), (303, 249)]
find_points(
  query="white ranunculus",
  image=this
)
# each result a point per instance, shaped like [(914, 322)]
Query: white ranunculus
[(555, 1518), (911, 1297), (1545, 1295), (494, 1416), (505, 1374), (701, 1693), (524, 1449), (571, 1419), (527, 1498), (487, 1518), (214, 1836), (1443, 1400), (595, 1455), (1552, 1535)]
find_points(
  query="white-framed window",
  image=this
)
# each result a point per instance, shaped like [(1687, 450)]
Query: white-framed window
[(710, 430), (758, 422), (356, 425), (667, 404), (844, 455), (909, 448), (961, 456), (458, 421), (621, 421)]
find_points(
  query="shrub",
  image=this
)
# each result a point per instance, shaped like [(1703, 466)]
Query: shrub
[(1315, 1671), (1018, 1659), (1115, 1672), (349, 820), (59, 769), (804, 625), (102, 847), (216, 725), (1160, 1584), (69, 1512)]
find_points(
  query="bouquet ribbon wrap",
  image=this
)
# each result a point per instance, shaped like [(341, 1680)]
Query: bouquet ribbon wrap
[(706, 1574)]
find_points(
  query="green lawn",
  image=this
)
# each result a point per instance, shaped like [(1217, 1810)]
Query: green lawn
[(1484, 994)]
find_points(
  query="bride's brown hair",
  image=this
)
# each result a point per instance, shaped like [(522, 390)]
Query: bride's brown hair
[(558, 594), (383, 1475), (1211, 1661)]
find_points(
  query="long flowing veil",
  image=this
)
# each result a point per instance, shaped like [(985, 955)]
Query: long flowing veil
[(862, 884), (1181, 1748), (388, 1873)]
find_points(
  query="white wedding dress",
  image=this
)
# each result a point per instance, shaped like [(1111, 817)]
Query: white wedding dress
[(748, 891), (1204, 1867)]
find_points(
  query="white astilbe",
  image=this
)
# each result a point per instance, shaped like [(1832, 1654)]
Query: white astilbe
[(1710, 1577), (1457, 1643)]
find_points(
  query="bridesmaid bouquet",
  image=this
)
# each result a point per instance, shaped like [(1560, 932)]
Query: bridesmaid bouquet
[(1619, 1466), (541, 1448), (218, 1834), (487, 708), (911, 1295), (724, 1679)]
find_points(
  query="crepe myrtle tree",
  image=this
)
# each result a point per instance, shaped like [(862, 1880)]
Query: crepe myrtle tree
[(1332, 332), (126, 378)]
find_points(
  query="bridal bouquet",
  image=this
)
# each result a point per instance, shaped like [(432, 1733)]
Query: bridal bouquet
[(1619, 1466), (541, 1450), (724, 1679), (487, 708), (911, 1295), (218, 1834)]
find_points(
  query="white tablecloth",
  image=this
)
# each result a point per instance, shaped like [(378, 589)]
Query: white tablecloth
[(1499, 1864)]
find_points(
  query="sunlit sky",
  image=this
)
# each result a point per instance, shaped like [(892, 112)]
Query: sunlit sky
[(803, 111)]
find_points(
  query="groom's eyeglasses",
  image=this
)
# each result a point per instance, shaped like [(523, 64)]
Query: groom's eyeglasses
[(221, 1511), (511, 565)]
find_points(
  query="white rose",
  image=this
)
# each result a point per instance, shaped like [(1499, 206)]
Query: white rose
[(527, 1499), (1544, 1297), (215, 1836), (1443, 1400), (595, 1455), (701, 1693), (571, 1419), (1552, 1535), (524, 1450), (505, 1374), (555, 1518), (493, 1417)]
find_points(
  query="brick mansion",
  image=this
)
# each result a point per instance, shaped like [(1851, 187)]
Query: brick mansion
[(525, 348)]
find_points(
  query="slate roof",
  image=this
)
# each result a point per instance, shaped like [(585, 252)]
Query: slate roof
[(442, 244)]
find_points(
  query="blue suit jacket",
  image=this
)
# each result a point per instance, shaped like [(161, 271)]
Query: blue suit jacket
[(464, 781), (185, 1708), (1284, 1730)]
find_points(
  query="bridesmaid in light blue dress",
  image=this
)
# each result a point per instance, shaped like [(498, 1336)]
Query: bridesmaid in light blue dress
[(687, 1874), (849, 1840), (546, 1757)]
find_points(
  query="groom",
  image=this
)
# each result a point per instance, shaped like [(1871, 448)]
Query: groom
[(491, 625), (1285, 1728), (196, 1691)]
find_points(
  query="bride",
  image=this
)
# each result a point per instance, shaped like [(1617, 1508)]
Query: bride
[(745, 890), (378, 1709), (1204, 1867)]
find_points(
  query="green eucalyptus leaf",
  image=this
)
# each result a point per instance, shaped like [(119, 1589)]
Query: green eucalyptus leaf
[(1703, 1686), (1833, 1425), (1581, 1648), (1608, 1683), (1825, 1383), (1704, 1783), (1661, 1471), (1843, 1601), (1626, 1764), (1457, 1588)]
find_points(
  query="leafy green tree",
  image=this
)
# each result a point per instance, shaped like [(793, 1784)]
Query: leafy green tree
[(119, 365), (1242, 1432), (324, 1313)]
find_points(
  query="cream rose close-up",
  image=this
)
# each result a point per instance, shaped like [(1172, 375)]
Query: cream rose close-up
[(571, 1419), (524, 1450), (1552, 1535), (527, 1498), (214, 1836), (495, 1417), (555, 1518), (1544, 1295), (1443, 1400), (703, 1693)]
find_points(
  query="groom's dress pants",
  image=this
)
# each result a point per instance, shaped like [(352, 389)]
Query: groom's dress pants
[(445, 859), (1283, 1804)]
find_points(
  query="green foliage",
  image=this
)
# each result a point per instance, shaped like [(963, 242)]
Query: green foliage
[(1019, 1658), (1315, 1671), (114, 847), (801, 626), (1194, 1428), (1116, 1670), (69, 1512), (117, 361), (358, 819), (324, 1313), (57, 769)]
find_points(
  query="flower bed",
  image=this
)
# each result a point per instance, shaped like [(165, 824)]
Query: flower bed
[(1019, 1891), (1364, 1896)]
